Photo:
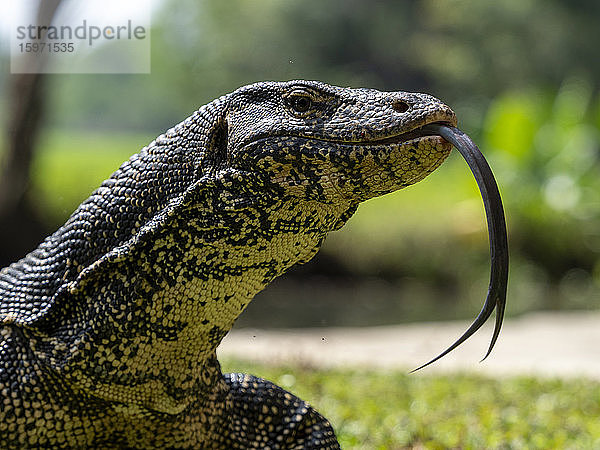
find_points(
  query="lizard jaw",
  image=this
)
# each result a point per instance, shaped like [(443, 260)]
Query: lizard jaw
[(402, 138)]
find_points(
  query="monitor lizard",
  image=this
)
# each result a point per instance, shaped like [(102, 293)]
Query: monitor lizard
[(109, 328)]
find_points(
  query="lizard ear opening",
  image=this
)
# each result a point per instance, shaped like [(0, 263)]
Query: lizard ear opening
[(217, 151)]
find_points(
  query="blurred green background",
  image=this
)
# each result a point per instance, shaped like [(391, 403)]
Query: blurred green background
[(522, 76)]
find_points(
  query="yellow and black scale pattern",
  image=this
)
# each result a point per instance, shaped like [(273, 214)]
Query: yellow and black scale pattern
[(108, 330)]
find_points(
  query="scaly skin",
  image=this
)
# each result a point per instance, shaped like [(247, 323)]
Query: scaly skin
[(109, 328)]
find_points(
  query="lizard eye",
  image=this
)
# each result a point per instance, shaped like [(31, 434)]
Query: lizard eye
[(300, 102)]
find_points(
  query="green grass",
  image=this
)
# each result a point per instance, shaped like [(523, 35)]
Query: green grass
[(393, 410)]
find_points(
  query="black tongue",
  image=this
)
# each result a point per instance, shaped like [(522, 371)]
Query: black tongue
[(496, 295)]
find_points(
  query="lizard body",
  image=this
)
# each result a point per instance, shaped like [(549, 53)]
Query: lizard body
[(108, 330)]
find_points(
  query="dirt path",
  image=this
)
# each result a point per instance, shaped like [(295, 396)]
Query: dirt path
[(542, 344)]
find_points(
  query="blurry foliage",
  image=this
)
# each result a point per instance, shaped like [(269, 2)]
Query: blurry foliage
[(547, 153), (550, 164)]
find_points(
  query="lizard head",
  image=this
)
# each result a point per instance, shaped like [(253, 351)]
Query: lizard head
[(319, 142)]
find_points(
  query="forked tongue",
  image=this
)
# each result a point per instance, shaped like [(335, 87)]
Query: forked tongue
[(496, 295)]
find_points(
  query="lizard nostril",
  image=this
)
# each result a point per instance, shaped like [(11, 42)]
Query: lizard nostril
[(400, 106)]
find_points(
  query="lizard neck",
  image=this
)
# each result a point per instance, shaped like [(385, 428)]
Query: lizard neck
[(180, 293), (135, 193)]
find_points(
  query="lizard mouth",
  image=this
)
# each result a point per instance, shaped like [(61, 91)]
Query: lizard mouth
[(416, 133), (396, 139)]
